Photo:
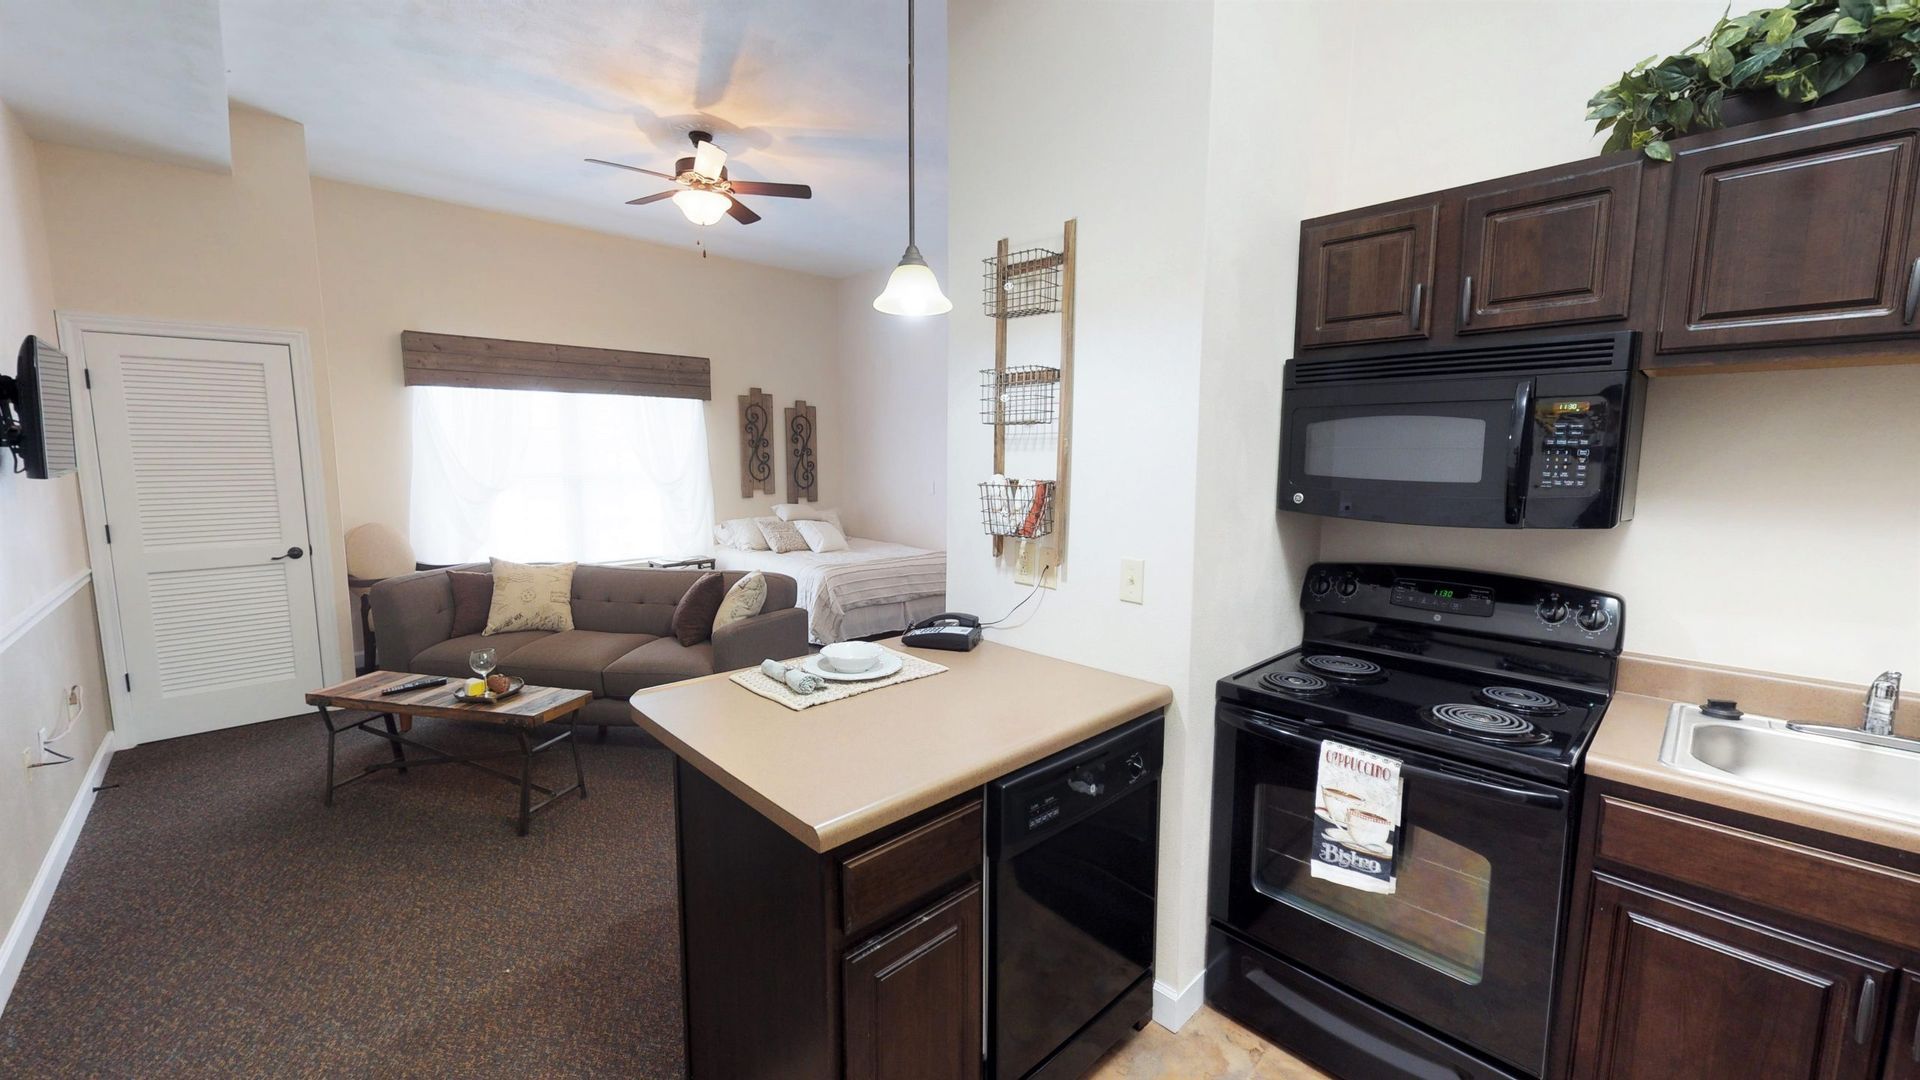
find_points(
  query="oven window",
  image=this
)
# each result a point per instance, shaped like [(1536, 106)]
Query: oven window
[(1426, 449), (1436, 916)]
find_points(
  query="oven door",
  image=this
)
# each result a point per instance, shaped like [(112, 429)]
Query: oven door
[(1467, 943), (1421, 452)]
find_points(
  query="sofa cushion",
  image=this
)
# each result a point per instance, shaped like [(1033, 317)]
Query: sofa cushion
[(693, 618), (572, 658), (530, 596), (472, 601), (628, 600), (662, 660), (449, 657)]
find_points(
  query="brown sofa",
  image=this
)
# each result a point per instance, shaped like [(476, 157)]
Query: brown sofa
[(622, 639)]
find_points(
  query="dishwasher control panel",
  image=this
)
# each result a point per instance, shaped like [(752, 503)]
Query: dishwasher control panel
[(1077, 781)]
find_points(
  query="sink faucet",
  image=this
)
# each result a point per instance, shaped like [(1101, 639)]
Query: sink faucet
[(1882, 698)]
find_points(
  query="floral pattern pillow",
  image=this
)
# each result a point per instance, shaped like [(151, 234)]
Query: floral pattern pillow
[(530, 597)]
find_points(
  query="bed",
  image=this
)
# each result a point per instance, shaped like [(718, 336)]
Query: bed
[(872, 588)]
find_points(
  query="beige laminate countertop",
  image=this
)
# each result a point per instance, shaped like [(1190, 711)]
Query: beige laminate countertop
[(1626, 749), (836, 772)]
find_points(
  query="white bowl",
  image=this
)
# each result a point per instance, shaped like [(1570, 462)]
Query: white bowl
[(852, 656)]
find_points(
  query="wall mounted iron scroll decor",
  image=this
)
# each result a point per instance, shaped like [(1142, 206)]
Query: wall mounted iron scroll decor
[(756, 443), (803, 472)]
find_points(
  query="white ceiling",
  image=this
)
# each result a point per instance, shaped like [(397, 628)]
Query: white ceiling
[(493, 103)]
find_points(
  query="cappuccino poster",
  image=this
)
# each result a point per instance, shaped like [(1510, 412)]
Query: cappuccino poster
[(1356, 818)]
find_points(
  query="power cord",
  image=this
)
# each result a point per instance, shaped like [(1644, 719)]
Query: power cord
[(1035, 591)]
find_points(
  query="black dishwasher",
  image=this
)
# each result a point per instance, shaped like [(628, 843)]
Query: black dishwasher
[(1072, 853)]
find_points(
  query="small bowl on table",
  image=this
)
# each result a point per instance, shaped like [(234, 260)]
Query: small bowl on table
[(851, 657)]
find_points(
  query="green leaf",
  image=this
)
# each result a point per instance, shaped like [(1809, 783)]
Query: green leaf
[(1680, 114), (1779, 25), (1719, 63), (1848, 26), (1658, 150)]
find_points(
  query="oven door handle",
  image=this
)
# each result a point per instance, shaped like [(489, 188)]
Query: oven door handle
[(1518, 456), (1480, 785)]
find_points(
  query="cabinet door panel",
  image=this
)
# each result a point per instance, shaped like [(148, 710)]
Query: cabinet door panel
[(1553, 252), (1672, 989), (912, 998), (1367, 277), (1800, 237), (1903, 1050)]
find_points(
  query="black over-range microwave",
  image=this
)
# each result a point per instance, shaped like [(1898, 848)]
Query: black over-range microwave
[(1535, 435)]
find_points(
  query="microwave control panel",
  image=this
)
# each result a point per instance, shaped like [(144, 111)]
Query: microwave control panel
[(1571, 442)]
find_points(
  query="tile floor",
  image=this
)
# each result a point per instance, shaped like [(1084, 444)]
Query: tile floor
[(1210, 1046)]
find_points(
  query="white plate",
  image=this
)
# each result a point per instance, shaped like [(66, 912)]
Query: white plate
[(890, 664)]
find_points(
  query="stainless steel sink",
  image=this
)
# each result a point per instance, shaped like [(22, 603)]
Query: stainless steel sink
[(1833, 767)]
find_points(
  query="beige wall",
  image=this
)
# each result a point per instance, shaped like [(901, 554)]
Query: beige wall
[(131, 237), (893, 394), (394, 262), (46, 644)]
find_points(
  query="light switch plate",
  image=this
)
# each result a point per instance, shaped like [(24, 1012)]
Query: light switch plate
[(1133, 580)]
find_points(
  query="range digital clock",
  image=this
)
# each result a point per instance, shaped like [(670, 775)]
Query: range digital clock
[(1443, 596)]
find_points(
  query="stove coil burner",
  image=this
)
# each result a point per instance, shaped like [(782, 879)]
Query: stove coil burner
[(1486, 724), (1345, 668), (1301, 683), (1520, 700)]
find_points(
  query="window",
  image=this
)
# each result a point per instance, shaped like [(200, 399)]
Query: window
[(536, 475)]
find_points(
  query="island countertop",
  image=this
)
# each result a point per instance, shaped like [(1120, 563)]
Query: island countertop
[(836, 772)]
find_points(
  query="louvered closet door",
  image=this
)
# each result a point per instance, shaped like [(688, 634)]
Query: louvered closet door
[(200, 461)]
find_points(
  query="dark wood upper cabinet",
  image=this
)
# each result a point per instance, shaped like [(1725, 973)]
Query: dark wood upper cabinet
[(1675, 989), (911, 999), (1792, 237), (1368, 276), (1552, 251)]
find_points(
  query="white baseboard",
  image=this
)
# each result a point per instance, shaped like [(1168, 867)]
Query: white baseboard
[(1173, 1007), (26, 924)]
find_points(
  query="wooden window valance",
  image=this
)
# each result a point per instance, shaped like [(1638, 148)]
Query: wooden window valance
[(498, 364)]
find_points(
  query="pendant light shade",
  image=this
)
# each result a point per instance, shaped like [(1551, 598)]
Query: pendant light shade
[(912, 289), (700, 206)]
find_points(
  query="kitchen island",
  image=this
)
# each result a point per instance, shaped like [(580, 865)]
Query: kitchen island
[(831, 858)]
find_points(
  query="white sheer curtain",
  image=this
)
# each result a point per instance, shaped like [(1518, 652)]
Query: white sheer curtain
[(535, 476)]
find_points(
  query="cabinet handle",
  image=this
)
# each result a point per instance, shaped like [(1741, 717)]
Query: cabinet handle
[(1863, 1012), (1420, 294), (1466, 301), (1913, 294)]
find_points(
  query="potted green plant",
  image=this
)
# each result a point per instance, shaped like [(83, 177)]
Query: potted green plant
[(1803, 51)]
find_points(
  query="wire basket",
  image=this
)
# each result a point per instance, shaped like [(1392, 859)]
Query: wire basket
[(1031, 285), (1019, 395), (1017, 508)]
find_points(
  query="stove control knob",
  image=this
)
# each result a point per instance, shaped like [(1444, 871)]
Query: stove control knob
[(1136, 765), (1319, 583), (1593, 617), (1349, 585), (1552, 609), (1086, 781)]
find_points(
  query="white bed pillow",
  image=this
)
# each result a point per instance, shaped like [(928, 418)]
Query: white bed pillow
[(781, 536), (740, 534), (803, 512), (822, 535)]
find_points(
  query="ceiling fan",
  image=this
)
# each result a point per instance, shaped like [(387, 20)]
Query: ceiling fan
[(703, 191)]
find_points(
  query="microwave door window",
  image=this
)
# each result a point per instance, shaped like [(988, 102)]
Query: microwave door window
[(1413, 448)]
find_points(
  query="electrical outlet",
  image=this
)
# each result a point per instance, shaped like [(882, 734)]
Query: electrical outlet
[(40, 754), (1133, 580), (1026, 565)]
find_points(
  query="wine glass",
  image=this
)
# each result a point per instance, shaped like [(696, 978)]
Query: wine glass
[(482, 662)]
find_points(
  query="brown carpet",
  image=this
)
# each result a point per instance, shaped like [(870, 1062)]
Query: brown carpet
[(217, 920)]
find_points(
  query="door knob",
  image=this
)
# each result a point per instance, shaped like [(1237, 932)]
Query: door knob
[(292, 553)]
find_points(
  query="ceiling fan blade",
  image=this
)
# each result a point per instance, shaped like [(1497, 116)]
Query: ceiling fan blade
[(708, 160), (645, 199), (630, 168), (777, 191), (739, 212)]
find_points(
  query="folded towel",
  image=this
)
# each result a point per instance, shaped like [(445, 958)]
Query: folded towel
[(798, 681)]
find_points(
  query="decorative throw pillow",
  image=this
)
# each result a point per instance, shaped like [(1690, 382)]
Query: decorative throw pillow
[(472, 601), (781, 536), (530, 597), (822, 535), (743, 601), (804, 512), (693, 616), (741, 534)]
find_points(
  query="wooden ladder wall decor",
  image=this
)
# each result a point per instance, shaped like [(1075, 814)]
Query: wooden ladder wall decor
[(1054, 544)]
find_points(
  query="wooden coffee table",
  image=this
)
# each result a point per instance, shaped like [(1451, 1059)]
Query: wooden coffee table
[(521, 714)]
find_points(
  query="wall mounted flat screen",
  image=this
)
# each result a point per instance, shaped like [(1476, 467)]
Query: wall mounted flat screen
[(44, 397)]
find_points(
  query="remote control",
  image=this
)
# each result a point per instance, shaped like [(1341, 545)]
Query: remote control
[(414, 684)]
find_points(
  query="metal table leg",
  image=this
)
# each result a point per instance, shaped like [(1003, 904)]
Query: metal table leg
[(526, 779), (399, 748), (579, 775), (331, 736)]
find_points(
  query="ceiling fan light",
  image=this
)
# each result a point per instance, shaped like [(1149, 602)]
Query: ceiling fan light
[(912, 289), (700, 206)]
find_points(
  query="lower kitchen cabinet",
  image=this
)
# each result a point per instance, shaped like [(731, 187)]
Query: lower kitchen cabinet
[(1713, 945), (1676, 989), (911, 998)]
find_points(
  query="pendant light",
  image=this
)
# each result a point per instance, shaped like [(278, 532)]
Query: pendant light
[(912, 289)]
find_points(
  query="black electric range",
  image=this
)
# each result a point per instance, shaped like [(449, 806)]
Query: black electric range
[(1487, 688)]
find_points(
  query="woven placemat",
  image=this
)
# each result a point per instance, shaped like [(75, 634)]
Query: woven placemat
[(911, 668)]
